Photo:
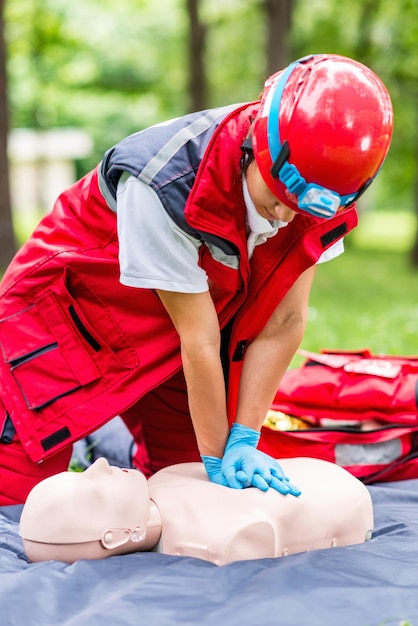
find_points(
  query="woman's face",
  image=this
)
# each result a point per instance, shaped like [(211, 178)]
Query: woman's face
[(266, 203)]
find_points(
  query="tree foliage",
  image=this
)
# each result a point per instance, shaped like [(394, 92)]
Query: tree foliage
[(109, 67)]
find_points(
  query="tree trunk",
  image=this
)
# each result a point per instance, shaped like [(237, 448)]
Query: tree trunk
[(7, 238), (196, 50), (367, 20), (278, 20)]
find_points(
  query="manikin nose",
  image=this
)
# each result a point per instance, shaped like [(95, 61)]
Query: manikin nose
[(99, 466)]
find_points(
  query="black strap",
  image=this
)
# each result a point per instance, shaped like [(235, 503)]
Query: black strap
[(334, 234), (53, 440)]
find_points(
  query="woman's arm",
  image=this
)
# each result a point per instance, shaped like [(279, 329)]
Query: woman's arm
[(266, 360), (269, 355), (195, 319)]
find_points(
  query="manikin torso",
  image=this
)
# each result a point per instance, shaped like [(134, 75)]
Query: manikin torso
[(221, 525)]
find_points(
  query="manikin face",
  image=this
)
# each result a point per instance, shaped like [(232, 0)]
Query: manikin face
[(77, 507), (266, 203)]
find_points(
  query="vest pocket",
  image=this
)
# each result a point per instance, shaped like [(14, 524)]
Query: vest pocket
[(46, 376), (66, 340), (44, 367)]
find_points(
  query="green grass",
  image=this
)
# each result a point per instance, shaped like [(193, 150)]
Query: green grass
[(386, 230), (368, 297)]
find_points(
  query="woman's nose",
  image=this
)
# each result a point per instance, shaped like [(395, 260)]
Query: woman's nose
[(284, 213)]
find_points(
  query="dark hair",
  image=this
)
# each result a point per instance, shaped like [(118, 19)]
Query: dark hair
[(247, 156)]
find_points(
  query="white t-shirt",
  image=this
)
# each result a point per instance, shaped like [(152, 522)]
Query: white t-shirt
[(155, 253)]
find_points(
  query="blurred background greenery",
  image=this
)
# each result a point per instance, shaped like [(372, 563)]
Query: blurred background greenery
[(367, 298), (112, 67)]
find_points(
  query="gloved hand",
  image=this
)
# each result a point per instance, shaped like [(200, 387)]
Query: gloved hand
[(213, 469), (245, 466)]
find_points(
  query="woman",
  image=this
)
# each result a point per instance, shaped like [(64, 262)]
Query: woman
[(171, 284)]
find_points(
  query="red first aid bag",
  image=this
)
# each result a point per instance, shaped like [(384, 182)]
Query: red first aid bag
[(356, 409)]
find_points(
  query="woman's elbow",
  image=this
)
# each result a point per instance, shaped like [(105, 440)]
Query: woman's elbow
[(292, 324)]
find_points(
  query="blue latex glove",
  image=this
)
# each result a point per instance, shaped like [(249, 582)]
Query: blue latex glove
[(242, 435), (245, 466), (213, 469)]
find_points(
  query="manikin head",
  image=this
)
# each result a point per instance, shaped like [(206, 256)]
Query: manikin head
[(93, 514)]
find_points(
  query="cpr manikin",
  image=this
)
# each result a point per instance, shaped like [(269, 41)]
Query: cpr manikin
[(106, 510)]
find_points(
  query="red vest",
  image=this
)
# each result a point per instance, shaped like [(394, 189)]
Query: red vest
[(79, 348)]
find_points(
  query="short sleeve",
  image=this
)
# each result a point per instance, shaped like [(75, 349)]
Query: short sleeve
[(154, 253)]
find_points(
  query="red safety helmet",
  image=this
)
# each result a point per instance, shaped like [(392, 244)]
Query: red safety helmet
[(322, 132)]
